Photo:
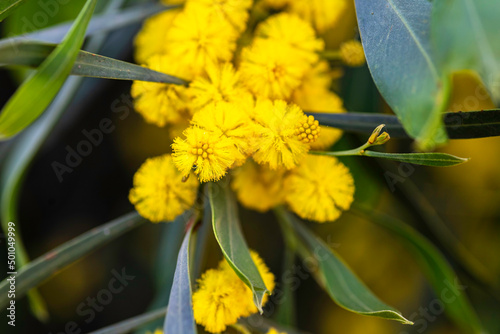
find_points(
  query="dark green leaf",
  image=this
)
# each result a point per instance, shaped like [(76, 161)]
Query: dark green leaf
[(395, 36), (459, 125), (180, 318), (343, 286), (7, 6), (424, 159), (465, 36), (228, 233), (128, 325), (37, 92), (86, 64), (35, 272), (440, 274)]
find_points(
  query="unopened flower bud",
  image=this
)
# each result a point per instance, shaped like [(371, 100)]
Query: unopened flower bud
[(375, 134)]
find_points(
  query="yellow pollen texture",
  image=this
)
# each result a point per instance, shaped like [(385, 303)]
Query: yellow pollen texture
[(308, 131)]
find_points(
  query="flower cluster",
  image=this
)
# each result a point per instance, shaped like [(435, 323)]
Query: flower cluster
[(222, 297), (242, 111)]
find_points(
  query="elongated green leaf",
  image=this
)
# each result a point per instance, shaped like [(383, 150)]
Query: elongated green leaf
[(439, 273), (128, 325), (228, 233), (86, 64), (465, 36), (343, 286), (459, 125), (36, 93), (7, 6), (43, 267), (180, 318), (395, 36)]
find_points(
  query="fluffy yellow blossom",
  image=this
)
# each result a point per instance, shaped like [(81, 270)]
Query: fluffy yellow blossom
[(308, 130), (218, 302), (227, 120), (275, 4), (209, 153), (271, 69), (158, 331), (276, 140), (320, 101), (267, 276), (159, 193), (221, 83), (272, 330), (322, 14), (294, 31), (233, 11), (319, 77), (319, 189), (150, 39), (352, 53), (258, 187), (197, 39), (160, 103)]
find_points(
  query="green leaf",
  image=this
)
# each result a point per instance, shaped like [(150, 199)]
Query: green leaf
[(228, 233), (87, 64), (128, 325), (439, 273), (36, 93), (465, 36), (424, 159), (458, 125), (35, 272), (395, 36), (180, 318), (343, 286), (7, 6)]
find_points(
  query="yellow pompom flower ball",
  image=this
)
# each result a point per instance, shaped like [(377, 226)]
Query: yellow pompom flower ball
[(319, 189), (294, 31), (271, 69), (276, 140), (208, 153), (273, 330), (160, 103), (159, 193), (221, 83), (197, 39), (323, 14), (257, 187), (234, 12), (218, 301), (352, 53)]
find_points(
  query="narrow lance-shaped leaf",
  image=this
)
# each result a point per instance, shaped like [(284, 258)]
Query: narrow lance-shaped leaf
[(37, 92), (395, 36), (7, 6), (32, 54), (180, 318), (343, 286), (228, 233), (440, 274), (37, 271), (125, 326)]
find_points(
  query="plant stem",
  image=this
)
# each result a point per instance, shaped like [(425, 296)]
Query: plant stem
[(241, 328)]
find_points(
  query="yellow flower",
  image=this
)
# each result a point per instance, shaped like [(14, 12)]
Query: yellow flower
[(323, 14), (207, 152), (258, 187), (149, 41), (319, 189), (319, 77), (158, 331), (218, 302), (321, 101), (275, 4), (267, 276), (352, 53), (197, 39), (294, 31), (228, 121), (276, 141), (160, 103), (221, 83), (271, 69), (233, 11), (159, 193), (273, 330)]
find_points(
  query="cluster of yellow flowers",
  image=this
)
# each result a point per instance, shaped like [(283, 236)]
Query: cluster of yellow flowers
[(242, 110), (222, 297)]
